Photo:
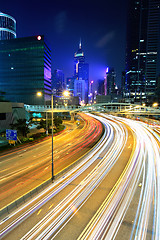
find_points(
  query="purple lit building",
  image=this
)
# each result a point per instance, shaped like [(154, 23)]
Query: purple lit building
[(81, 75), (25, 69), (58, 82)]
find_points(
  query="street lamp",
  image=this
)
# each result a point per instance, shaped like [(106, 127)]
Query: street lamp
[(39, 94), (66, 93), (155, 104)]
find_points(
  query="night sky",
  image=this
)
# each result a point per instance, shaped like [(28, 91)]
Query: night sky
[(100, 24)]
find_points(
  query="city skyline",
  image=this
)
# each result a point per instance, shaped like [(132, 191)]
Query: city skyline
[(101, 29)]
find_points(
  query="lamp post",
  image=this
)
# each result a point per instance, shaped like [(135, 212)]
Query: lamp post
[(52, 138), (39, 94)]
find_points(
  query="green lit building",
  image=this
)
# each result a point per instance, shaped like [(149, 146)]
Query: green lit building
[(25, 70)]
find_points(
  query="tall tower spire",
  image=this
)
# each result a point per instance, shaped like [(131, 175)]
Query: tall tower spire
[(80, 44)]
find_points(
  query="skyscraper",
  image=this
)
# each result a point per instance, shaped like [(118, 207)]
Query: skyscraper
[(111, 81), (7, 27), (142, 49), (25, 69), (153, 48), (81, 73), (58, 81)]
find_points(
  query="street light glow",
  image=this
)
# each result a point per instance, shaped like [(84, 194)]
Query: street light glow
[(155, 104), (39, 94), (66, 93)]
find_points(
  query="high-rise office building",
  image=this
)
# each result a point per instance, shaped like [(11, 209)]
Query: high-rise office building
[(142, 49), (7, 27), (58, 82), (100, 87), (70, 85), (25, 69), (81, 72), (110, 81), (153, 48), (79, 90)]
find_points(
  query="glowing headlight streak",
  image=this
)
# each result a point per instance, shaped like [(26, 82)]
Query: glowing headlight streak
[(61, 183), (83, 134), (153, 173), (106, 222), (102, 220), (79, 194), (145, 158)]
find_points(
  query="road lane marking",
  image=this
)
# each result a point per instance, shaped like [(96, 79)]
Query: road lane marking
[(39, 212), (50, 206), (19, 183)]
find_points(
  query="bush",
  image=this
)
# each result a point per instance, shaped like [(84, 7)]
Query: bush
[(31, 139), (24, 139), (36, 135)]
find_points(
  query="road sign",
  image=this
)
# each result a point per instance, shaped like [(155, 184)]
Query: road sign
[(11, 141), (11, 134)]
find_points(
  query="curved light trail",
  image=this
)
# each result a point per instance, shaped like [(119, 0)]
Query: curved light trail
[(107, 220), (58, 184), (58, 217), (22, 168), (143, 165)]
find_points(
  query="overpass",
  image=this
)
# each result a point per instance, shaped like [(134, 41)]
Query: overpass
[(123, 108), (117, 108), (47, 108)]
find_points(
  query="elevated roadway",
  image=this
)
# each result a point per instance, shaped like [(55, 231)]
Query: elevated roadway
[(119, 108)]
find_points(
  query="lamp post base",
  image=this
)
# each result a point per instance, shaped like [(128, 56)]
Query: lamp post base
[(52, 178)]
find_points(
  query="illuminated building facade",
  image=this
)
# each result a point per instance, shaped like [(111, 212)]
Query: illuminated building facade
[(58, 82), (25, 69), (7, 27), (70, 85), (107, 87), (153, 48), (79, 90), (81, 73), (142, 49), (110, 81)]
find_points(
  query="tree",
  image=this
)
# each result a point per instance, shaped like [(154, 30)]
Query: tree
[(42, 124), (57, 121), (21, 126)]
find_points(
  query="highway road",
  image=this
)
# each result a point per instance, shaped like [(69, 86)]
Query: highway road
[(30, 166), (112, 193)]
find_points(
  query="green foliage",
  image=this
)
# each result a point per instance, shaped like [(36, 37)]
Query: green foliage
[(21, 126), (24, 139), (36, 135), (57, 121), (31, 139), (42, 124)]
